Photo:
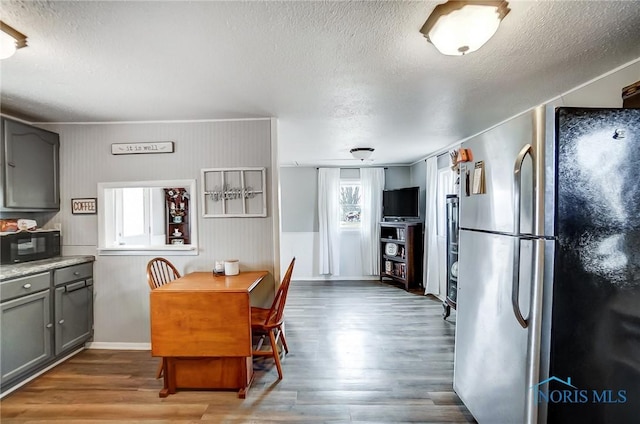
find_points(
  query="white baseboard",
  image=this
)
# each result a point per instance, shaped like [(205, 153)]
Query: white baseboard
[(118, 346)]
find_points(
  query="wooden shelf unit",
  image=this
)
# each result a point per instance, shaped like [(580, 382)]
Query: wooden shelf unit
[(405, 267), (177, 216)]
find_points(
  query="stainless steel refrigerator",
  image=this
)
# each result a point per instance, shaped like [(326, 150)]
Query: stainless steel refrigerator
[(548, 312)]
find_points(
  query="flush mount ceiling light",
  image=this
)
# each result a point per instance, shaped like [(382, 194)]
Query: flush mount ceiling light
[(10, 40), (361, 153), (456, 28)]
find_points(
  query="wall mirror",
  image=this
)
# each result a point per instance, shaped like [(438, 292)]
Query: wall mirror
[(147, 217)]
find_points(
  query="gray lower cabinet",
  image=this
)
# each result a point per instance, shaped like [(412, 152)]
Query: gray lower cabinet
[(30, 177), (74, 314), (26, 325), (43, 318)]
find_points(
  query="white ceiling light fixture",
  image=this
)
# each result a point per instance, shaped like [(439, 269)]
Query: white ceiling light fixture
[(361, 153), (456, 28), (10, 40)]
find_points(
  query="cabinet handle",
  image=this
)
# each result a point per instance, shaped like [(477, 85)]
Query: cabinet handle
[(75, 286), (76, 273), (49, 325), (27, 286), (61, 322), (11, 164)]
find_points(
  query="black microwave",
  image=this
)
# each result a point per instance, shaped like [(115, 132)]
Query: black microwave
[(25, 246)]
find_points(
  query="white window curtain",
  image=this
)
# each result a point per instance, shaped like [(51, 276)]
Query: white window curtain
[(431, 268), (372, 184), (440, 182), (328, 211)]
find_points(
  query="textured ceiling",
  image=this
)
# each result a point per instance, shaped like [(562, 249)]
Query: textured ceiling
[(337, 75)]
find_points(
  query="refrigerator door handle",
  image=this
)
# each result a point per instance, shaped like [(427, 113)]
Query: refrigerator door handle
[(517, 187), (515, 285)]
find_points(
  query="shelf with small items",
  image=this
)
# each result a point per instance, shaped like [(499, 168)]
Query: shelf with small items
[(395, 258), (392, 240), (394, 269), (401, 253), (177, 216)]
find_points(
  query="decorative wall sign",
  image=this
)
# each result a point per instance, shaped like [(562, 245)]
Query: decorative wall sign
[(233, 192), (84, 206), (479, 186), (141, 148)]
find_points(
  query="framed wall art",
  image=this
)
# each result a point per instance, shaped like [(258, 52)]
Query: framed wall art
[(234, 192)]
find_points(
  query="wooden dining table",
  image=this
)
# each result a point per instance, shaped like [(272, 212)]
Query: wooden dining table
[(201, 327)]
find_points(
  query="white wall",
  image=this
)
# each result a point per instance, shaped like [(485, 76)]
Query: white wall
[(299, 234), (604, 91), (121, 292)]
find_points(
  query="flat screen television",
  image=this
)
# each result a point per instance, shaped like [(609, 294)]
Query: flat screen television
[(401, 203)]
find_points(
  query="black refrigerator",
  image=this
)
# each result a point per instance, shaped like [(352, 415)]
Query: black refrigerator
[(548, 303), (596, 296)]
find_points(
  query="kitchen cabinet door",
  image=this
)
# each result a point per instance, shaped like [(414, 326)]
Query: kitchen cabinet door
[(30, 174), (26, 334), (73, 315)]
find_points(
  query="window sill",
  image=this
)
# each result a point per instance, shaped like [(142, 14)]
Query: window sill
[(148, 250)]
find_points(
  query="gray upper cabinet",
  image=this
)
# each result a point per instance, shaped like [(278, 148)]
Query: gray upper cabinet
[(30, 168)]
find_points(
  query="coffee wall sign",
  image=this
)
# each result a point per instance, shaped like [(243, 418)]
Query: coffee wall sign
[(84, 206)]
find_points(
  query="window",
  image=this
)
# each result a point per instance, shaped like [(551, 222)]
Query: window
[(132, 218), (350, 204), (133, 207), (138, 215)]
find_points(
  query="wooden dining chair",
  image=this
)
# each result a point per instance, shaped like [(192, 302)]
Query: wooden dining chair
[(269, 322), (160, 272)]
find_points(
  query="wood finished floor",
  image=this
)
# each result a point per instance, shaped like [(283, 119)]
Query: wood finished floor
[(360, 352)]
